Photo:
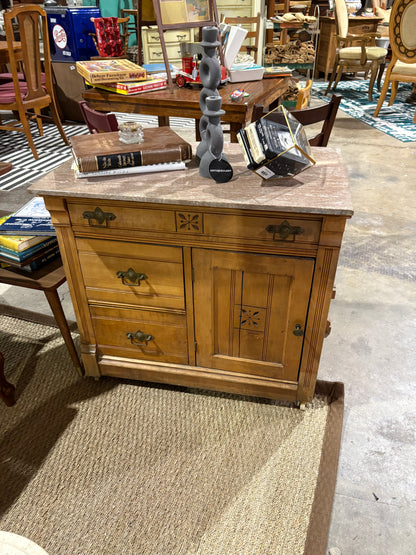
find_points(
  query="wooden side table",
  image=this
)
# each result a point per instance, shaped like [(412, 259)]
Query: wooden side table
[(46, 279)]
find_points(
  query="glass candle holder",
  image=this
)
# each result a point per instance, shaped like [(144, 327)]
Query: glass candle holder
[(130, 132)]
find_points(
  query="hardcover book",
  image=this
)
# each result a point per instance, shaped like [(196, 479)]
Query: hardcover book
[(110, 71), (278, 145), (17, 243), (34, 262), (31, 219), (274, 137), (104, 151), (133, 87), (152, 168), (27, 253)]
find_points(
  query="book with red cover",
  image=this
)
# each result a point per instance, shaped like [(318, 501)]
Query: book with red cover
[(110, 71), (132, 87), (105, 151)]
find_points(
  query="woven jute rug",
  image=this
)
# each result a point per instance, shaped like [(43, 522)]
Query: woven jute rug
[(120, 467)]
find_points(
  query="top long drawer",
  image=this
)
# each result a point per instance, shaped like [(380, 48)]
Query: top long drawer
[(196, 224)]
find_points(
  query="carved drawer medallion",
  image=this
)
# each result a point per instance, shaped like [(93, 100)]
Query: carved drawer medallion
[(189, 221)]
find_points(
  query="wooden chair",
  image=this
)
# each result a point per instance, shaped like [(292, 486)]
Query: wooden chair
[(98, 122), (252, 23), (304, 96), (27, 98), (366, 57), (403, 46), (123, 23), (325, 113)]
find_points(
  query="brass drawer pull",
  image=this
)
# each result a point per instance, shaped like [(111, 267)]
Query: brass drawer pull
[(284, 230), (99, 216), (298, 331), (131, 276), (139, 338)]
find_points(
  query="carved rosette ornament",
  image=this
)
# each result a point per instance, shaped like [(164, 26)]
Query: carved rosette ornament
[(212, 161)]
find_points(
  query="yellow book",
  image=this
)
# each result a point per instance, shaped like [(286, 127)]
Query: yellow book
[(17, 243)]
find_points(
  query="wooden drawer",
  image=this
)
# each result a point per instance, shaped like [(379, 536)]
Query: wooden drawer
[(268, 230), (168, 342), (155, 53), (90, 216), (224, 4), (172, 35), (113, 270), (236, 11)]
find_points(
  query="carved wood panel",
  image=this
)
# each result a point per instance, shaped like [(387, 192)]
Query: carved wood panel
[(246, 310)]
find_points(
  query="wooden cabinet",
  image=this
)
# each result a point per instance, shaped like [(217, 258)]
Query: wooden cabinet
[(237, 8), (327, 43), (152, 48), (177, 279)]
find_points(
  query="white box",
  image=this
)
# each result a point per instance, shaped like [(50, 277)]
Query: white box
[(254, 73), (234, 40)]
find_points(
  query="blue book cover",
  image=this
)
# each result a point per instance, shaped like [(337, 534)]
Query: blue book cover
[(156, 68), (31, 219)]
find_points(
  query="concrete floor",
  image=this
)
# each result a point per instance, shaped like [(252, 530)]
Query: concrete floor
[(371, 348)]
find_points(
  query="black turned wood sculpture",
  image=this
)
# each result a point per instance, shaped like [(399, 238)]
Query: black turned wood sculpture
[(212, 161)]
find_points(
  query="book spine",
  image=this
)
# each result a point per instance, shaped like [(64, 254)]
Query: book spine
[(273, 134), (125, 89), (263, 139), (255, 144), (180, 153), (245, 147), (22, 255), (111, 161), (152, 168), (17, 244), (36, 264), (148, 87), (11, 243)]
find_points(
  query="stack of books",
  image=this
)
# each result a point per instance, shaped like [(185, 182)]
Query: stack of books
[(275, 145), (27, 252), (132, 87), (103, 154)]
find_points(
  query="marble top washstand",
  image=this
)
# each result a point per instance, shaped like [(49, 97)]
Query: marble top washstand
[(322, 188)]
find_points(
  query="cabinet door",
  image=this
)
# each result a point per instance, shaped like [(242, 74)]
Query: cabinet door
[(250, 311)]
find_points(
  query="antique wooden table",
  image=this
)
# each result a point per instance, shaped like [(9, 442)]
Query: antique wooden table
[(178, 279), (185, 102), (4, 53)]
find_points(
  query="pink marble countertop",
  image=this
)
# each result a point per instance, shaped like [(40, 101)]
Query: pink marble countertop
[(322, 188)]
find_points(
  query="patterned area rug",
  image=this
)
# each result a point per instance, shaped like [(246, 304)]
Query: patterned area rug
[(395, 120), (52, 151)]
